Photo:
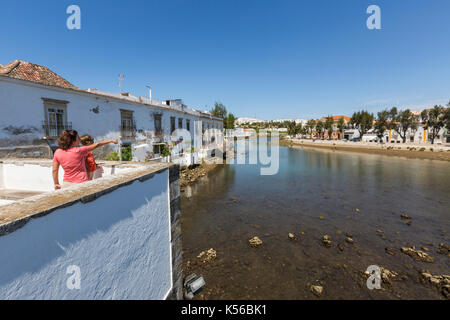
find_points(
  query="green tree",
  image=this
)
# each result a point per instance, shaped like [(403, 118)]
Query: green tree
[(433, 119), (229, 121), (381, 124), (392, 123), (328, 125), (299, 128), (362, 121), (341, 126), (291, 128), (310, 125), (319, 127), (405, 120), (219, 110), (447, 117)]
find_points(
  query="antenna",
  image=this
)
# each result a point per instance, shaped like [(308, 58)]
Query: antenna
[(121, 77), (149, 92)]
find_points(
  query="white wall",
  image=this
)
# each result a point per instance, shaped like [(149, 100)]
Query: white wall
[(21, 106), (35, 177), (121, 247), (4, 202)]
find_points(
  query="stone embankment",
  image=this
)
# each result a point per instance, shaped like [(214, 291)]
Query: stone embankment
[(192, 174), (425, 151)]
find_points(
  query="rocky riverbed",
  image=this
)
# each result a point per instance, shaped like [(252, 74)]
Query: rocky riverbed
[(313, 230)]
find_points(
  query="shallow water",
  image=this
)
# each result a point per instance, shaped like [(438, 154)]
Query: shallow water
[(311, 184)]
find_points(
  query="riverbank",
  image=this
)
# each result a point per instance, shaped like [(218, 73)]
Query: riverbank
[(427, 152), (190, 175)]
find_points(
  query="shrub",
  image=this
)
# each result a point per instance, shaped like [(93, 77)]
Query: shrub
[(113, 157), (165, 150), (431, 149), (126, 153), (422, 149)]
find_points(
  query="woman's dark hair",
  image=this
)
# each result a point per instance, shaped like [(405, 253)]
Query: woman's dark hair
[(86, 140), (67, 138)]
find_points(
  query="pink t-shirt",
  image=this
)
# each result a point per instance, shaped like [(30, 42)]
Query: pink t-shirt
[(73, 161)]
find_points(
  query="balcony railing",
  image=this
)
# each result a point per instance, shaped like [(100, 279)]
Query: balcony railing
[(53, 129), (128, 131)]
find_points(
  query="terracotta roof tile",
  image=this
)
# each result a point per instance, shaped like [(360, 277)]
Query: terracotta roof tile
[(32, 72)]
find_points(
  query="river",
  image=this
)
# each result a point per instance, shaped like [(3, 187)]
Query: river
[(317, 193)]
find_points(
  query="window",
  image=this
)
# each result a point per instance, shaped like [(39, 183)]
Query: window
[(128, 126), (172, 124), (55, 117), (158, 124), (188, 125), (180, 123)]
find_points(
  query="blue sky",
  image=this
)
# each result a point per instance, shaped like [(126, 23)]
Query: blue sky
[(263, 59)]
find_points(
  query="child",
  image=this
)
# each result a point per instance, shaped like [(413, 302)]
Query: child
[(91, 166)]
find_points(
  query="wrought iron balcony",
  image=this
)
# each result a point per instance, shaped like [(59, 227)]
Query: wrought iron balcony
[(54, 129), (128, 130)]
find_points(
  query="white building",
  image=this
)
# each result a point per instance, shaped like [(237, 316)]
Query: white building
[(36, 104), (240, 121)]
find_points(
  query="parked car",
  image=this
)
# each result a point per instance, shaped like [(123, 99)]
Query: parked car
[(356, 139)]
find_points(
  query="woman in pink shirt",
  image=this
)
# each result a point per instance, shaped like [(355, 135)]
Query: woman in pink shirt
[(72, 158)]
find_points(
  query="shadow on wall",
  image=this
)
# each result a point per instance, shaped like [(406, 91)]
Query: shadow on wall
[(116, 240)]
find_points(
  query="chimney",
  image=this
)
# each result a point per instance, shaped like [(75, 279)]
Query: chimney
[(149, 92)]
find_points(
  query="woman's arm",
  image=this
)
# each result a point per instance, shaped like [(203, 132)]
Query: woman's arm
[(101, 143), (55, 172)]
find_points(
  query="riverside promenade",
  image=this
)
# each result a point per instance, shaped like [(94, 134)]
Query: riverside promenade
[(408, 150)]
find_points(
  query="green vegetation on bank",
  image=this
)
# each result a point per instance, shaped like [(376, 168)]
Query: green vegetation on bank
[(220, 111)]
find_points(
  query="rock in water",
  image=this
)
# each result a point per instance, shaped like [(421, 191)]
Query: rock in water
[(207, 256), (441, 282), (405, 216), (349, 240), (389, 251), (255, 242), (317, 290), (326, 240), (291, 236), (417, 254), (444, 249)]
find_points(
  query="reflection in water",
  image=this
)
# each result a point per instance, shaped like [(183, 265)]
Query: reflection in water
[(313, 183)]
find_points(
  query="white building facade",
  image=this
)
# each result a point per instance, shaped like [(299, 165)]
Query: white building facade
[(32, 114)]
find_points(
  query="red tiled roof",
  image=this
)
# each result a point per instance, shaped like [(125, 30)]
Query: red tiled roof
[(336, 118), (32, 72), (345, 118)]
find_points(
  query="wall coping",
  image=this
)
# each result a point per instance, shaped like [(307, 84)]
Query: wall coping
[(17, 214)]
